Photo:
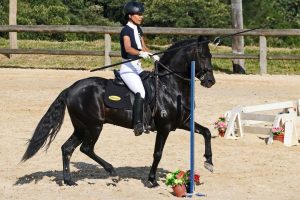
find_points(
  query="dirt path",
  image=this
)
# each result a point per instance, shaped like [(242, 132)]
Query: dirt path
[(244, 168)]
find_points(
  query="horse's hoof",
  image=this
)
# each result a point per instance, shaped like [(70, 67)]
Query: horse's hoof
[(151, 184), (209, 166), (113, 172), (70, 183)]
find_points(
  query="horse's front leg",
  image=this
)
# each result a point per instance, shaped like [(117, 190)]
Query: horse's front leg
[(160, 141), (208, 164)]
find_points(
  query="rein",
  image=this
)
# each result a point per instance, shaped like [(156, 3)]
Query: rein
[(156, 75), (171, 72)]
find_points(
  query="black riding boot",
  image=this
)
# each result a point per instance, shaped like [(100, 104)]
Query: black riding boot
[(138, 107)]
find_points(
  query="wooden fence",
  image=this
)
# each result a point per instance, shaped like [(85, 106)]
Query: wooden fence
[(108, 31)]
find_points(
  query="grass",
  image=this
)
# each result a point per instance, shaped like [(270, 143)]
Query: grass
[(90, 62)]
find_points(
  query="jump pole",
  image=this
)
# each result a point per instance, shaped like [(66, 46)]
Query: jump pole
[(192, 127)]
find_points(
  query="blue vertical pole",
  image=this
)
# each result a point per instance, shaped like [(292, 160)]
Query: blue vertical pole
[(192, 127)]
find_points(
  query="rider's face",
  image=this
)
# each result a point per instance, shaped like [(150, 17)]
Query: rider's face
[(136, 18)]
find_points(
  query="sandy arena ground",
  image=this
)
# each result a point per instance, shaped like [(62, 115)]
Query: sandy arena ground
[(244, 169)]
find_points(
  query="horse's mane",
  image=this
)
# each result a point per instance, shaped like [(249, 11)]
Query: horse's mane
[(178, 44)]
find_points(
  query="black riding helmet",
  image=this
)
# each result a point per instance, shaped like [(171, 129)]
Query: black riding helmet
[(133, 7)]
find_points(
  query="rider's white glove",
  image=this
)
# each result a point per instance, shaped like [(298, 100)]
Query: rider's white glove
[(144, 54), (154, 57)]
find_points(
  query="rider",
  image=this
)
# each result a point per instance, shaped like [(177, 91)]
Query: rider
[(132, 47)]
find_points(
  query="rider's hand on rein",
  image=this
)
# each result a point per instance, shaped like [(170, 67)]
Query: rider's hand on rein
[(144, 54)]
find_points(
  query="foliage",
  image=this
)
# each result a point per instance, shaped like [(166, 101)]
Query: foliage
[(3, 14), (4, 11), (180, 177), (275, 14), (181, 13), (277, 131)]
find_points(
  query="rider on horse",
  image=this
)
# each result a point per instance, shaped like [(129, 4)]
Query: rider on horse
[(133, 47)]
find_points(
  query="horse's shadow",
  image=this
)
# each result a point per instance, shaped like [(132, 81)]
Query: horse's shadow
[(91, 171)]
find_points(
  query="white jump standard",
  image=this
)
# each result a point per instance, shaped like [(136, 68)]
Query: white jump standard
[(247, 119)]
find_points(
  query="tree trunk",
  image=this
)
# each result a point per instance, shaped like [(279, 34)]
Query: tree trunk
[(237, 41)]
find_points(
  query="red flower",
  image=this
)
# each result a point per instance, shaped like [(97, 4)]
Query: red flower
[(180, 175), (197, 178)]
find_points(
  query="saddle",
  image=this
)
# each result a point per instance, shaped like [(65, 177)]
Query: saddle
[(119, 96)]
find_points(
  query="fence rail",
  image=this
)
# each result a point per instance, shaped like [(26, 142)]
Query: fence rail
[(108, 31), (118, 54), (146, 30)]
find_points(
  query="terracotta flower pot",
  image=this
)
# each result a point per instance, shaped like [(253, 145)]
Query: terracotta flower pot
[(179, 190), (279, 137), (221, 132)]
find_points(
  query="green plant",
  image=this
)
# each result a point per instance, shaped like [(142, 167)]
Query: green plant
[(180, 177)]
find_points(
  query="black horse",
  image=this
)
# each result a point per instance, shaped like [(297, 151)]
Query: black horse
[(88, 112)]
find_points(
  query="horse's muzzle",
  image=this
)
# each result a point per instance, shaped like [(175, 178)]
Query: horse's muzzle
[(208, 81)]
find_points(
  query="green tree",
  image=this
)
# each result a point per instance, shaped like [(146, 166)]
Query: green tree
[(4, 11), (276, 14), (3, 15), (113, 9), (58, 12), (181, 13)]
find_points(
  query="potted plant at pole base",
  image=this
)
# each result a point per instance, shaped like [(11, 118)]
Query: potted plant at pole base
[(221, 125), (180, 180), (278, 133), (196, 180)]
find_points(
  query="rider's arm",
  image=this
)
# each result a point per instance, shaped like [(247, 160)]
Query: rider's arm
[(144, 47), (128, 48)]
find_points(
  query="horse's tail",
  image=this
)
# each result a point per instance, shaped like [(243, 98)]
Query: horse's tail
[(48, 127)]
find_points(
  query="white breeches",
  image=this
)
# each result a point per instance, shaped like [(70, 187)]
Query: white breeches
[(129, 73)]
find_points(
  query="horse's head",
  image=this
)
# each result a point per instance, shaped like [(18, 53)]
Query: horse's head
[(180, 55), (203, 69)]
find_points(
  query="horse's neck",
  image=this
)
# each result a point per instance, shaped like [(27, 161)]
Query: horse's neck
[(174, 86)]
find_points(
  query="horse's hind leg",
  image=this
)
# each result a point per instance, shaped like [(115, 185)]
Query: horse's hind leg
[(88, 145), (67, 149)]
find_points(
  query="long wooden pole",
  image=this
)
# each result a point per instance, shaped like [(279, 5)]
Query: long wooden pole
[(237, 41), (13, 21)]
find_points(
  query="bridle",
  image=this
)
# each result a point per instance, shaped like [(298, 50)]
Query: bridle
[(177, 74)]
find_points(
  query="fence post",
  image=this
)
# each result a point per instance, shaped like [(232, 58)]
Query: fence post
[(12, 21), (107, 49), (237, 41), (263, 55)]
